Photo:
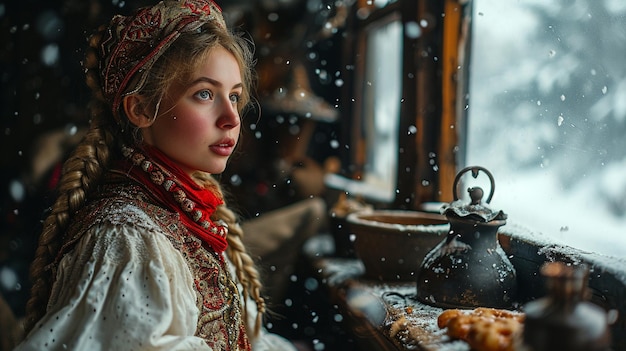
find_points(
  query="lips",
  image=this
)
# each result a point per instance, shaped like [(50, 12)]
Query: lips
[(224, 147)]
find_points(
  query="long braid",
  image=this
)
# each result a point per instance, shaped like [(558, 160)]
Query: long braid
[(81, 172), (247, 273)]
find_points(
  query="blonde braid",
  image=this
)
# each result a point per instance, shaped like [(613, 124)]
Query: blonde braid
[(247, 273), (81, 172), (80, 175)]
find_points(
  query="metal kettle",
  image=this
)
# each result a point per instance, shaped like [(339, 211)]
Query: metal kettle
[(469, 267)]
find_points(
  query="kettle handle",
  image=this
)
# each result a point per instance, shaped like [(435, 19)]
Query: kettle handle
[(475, 170)]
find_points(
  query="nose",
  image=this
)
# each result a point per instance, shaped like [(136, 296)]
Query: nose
[(229, 117)]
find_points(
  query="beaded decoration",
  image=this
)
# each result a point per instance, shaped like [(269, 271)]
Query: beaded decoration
[(170, 184)]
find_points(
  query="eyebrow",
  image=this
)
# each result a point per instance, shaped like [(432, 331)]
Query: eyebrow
[(213, 82)]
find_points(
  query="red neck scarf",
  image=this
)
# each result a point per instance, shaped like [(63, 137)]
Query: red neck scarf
[(179, 192)]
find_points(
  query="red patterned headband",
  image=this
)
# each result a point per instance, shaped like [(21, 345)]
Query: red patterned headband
[(132, 44)]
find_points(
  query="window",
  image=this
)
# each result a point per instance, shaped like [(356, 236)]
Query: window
[(381, 89), (547, 116)]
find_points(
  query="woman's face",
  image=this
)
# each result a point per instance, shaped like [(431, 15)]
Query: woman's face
[(199, 129)]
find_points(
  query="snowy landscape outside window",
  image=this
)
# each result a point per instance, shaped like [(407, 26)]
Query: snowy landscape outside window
[(547, 116)]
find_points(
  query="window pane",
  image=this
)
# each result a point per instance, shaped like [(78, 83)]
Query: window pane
[(381, 106), (547, 116)]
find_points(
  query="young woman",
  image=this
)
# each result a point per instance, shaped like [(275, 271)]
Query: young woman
[(139, 251)]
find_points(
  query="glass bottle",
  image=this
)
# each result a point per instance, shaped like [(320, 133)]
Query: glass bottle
[(563, 320)]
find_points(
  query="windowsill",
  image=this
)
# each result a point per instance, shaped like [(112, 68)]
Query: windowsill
[(547, 248)]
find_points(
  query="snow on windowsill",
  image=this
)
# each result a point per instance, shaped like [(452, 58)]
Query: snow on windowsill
[(546, 245)]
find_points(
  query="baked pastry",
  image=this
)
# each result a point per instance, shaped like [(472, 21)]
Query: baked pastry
[(484, 329)]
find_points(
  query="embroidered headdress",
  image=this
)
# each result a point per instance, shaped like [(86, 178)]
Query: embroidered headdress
[(132, 44)]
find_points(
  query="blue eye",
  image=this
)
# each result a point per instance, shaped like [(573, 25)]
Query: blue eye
[(204, 95), (234, 98)]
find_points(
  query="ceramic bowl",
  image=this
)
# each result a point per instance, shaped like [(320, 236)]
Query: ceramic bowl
[(392, 243)]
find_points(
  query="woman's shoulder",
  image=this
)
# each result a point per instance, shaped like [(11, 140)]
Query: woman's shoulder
[(119, 213), (116, 215), (122, 204)]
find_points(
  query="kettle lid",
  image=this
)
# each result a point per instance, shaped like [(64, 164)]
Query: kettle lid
[(475, 209)]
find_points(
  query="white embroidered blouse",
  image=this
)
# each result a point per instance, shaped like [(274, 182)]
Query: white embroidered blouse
[(135, 281)]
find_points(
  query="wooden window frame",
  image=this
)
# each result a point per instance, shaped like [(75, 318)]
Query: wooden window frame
[(427, 157)]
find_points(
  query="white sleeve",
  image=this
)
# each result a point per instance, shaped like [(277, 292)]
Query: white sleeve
[(121, 288)]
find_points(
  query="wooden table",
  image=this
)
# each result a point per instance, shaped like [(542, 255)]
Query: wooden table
[(382, 315)]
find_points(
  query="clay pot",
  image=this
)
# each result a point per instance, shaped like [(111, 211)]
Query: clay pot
[(392, 243)]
